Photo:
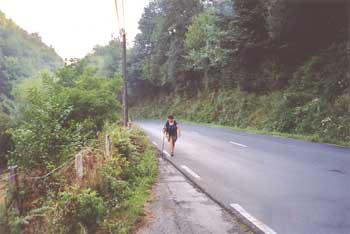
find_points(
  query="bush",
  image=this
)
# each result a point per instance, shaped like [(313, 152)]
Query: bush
[(45, 134), (78, 211), (112, 187), (57, 116)]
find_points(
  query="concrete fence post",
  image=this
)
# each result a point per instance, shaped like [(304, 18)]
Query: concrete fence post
[(14, 187), (108, 149), (79, 168)]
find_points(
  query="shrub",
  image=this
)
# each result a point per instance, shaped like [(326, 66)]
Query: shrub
[(78, 211), (45, 134), (112, 187)]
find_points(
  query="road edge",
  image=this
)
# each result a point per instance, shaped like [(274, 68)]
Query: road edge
[(242, 219)]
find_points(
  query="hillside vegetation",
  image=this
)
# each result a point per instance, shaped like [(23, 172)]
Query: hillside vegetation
[(274, 66), (56, 117), (22, 55), (279, 66)]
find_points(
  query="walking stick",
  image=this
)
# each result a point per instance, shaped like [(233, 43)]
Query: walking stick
[(163, 146)]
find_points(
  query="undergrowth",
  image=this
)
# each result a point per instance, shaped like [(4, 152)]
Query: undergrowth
[(110, 199)]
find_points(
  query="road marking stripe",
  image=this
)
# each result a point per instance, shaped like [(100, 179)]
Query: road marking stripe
[(260, 225), (192, 173), (235, 143), (166, 153), (154, 143)]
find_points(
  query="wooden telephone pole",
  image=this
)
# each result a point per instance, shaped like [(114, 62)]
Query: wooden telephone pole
[(125, 78), (125, 75)]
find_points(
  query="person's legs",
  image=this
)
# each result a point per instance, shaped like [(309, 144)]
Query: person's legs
[(171, 144)]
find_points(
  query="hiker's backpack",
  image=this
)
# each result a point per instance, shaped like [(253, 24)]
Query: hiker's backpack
[(171, 129)]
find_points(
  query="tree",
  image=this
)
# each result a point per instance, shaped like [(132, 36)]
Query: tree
[(55, 118), (308, 25), (22, 55), (203, 51), (160, 48)]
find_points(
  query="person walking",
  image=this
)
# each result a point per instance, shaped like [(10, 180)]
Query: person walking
[(172, 131)]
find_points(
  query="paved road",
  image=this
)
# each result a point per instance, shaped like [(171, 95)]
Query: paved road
[(179, 208), (292, 186)]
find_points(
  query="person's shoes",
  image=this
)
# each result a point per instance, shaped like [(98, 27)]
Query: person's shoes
[(172, 154)]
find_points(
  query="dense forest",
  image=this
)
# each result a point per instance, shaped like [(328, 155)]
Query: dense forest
[(22, 55), (269, 65)]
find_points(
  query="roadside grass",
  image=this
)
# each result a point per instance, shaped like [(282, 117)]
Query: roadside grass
[(126, 219), (148, 165)]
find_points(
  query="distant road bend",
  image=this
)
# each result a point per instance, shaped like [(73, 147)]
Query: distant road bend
[(291, 186)]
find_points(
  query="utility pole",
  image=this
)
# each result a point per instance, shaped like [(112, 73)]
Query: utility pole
[(125, 75), (125, 78)]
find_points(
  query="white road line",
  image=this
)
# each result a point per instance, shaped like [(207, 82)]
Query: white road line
[(192, 173), (166, 153), (235, 143), (154, 143), (263, 227)]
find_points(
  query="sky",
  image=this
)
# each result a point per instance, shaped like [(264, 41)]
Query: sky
[(74, 27)]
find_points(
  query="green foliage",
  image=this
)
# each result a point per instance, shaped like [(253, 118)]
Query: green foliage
[(114, 204), (55, 115), (113, 187), (79, 211), (324, 75), (127, 180), (96, 99), (275, 112), (2, 218), (5, 138), (106, 59), (159, 48), (268, 65), (22, 55), (59, 117), (306, 26), (44, 122), (201, 41)]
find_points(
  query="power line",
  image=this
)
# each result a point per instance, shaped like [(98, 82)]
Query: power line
[(117, 10), (120, 21), (123, 11)]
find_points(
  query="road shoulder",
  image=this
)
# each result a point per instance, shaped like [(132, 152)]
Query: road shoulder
[(179, 207)]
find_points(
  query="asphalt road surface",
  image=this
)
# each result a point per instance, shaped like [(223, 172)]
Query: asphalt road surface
[(179, 208), (291, 186)]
